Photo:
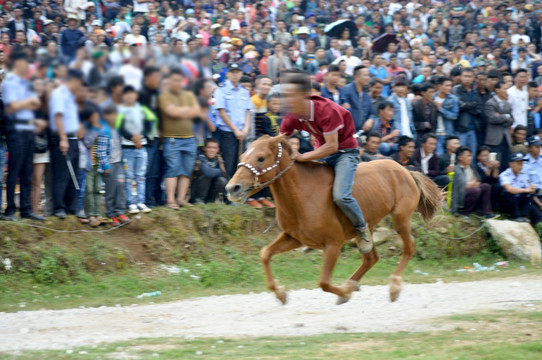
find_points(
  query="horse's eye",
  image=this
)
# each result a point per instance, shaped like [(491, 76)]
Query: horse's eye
[(261, 159)]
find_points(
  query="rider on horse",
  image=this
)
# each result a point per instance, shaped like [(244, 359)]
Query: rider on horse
[(333, 129)]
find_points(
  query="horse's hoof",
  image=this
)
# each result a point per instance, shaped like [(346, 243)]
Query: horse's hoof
[(343, 299), (280, 293), (396, 285)]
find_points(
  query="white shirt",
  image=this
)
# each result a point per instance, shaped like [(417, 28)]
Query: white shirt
[(519, 99), (132, 76), (425, 161), (441, 129), (144, 8), (394, 7), (351, 63), (405, 120), (131, 39)]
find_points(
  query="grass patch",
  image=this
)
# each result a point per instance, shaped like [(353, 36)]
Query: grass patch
[(517, 336)]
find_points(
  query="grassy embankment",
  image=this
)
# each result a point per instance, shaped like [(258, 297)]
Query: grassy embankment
[(217, 249)]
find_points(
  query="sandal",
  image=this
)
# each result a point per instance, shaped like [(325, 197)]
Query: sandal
[(173, 206)]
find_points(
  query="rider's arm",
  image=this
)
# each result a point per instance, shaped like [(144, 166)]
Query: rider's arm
[(330, 147)]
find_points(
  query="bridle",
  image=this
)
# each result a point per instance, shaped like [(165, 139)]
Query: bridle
[(259, 172)]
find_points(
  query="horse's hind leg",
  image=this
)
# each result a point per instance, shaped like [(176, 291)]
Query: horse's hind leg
[(331, 254), (369, 260), (401, 223), (281, 244)]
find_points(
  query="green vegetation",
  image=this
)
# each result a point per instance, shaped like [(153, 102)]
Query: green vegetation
[(506, 335), (216, 249)]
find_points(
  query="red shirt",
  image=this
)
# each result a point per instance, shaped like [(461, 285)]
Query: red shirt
[(325, 118)]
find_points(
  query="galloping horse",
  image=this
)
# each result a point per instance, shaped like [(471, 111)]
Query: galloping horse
[(307, 215)]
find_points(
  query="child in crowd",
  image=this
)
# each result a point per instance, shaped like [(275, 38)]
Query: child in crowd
[(272, 119), (109, 154), (135, 123), (209, 174), (95, 129)]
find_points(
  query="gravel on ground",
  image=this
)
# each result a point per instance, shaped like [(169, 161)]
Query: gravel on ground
[(308, 312)]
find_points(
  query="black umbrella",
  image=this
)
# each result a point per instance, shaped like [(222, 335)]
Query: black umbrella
[(380, 44), (335, 29)]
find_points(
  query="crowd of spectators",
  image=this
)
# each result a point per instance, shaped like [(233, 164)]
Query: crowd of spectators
[(155, 100)]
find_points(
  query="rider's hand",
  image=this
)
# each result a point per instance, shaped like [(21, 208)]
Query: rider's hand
[(300, 158)]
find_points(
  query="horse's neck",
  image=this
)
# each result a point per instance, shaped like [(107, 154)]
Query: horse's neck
[(287, 192)]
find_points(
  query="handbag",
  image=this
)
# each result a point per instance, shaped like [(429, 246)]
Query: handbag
[(41, 143)]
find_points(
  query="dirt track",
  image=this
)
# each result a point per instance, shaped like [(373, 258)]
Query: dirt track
[(308, 312)]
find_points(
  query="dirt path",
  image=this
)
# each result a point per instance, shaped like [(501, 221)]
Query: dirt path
[(308, 312)]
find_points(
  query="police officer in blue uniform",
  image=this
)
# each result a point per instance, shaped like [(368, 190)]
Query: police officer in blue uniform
[(533, 168), (233, 121), (20, 101), (64, 124), (517, 189)]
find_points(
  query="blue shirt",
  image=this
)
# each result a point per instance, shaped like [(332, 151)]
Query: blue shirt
[(533, 168), (381, 73), (236, 101), (63, 102), (15, 88), (520, 181)]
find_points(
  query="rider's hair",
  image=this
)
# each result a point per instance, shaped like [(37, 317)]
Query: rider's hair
[(302, 81)]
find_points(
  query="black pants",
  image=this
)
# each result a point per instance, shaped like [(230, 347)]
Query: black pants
[(64, 193), (229, 147), (517, 205), (205, 189), (504, 150), (20, 166), (154, 196), (441, 180)]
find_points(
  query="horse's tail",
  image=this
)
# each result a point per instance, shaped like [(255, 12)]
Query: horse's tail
[(430, 195)]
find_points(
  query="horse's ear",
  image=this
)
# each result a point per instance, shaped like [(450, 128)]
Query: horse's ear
[(277, 139)]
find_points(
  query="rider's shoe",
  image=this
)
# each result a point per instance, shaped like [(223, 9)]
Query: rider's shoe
[(365, 239)]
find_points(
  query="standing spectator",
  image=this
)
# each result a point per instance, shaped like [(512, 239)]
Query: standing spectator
[(448, 110), (379, 71), (357, 100), (468, 192), (402, 116), (64, 123), (210, 174), (109, 154), (148, 97), (278, 62), (20, 101), (516, 198), (132, 73), (534, 117), (77, 8), (71, 39), (330, 90), (518, 96), (179, 108), (17, 23), (498, 112), (533, 168), (135, 123), (426, 159), (470, 108), (424, 111), (233, 105)]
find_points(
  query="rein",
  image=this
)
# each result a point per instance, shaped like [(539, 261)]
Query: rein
[(259, 172)]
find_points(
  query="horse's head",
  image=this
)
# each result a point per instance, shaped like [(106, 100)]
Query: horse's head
[(259, 164)]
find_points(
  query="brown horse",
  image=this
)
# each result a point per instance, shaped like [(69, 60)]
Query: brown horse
[(307, 215)]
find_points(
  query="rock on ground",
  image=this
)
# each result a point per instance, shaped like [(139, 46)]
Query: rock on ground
[(308, 312), (516, 240)]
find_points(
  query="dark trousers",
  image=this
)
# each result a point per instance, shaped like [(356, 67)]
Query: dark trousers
[(115, 190), (206, 189), (229, 147), (478, 198), (65, 197), (518, 205), (504, 150), (441, 180), (20, 166), (536, 213), (154, 196)]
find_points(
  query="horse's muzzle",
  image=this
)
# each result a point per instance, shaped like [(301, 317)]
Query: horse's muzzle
[(237, 192)]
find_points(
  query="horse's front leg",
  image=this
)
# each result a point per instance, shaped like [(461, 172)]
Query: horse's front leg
[(331, 254), (281, 244)]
